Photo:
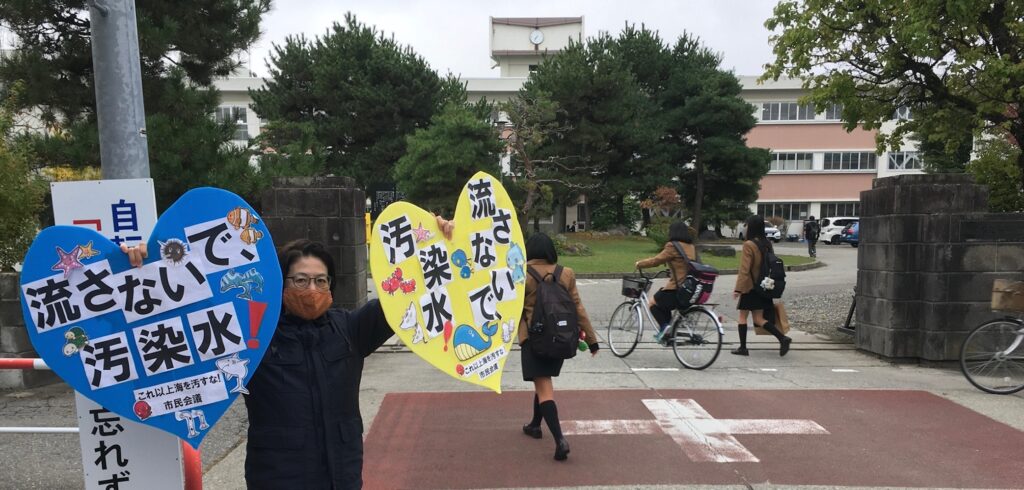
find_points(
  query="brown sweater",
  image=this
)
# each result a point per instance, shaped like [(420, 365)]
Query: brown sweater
[(750, 268), (566, 279), (676, 264)]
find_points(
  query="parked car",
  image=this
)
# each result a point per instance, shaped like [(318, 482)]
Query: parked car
[(832, 228), (851, 234), (770, 231)]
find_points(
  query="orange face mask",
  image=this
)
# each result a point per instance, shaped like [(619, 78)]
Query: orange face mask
[(308, 303)]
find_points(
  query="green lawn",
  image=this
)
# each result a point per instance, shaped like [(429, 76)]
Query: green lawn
[(618, 254)]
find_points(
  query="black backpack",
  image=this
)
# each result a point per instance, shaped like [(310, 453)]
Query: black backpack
[(695, 288), (812, 230), (555, 328), (771, 267)]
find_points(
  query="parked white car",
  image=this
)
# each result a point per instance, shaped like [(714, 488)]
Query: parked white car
[(770, 231), (831, 228)]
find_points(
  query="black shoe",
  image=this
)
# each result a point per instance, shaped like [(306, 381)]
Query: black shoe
[(784, 345), (532, 431), (562, 449), (741, 351)]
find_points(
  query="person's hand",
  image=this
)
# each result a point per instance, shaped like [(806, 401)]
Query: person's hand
[(636, 265), (135, 254), (594, 348), (735, 295), (446, 227)]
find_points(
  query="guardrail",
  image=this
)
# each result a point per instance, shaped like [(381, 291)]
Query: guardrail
[(191, 458)]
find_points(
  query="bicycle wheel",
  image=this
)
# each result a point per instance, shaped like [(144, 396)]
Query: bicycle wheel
[(992, 357), (696, 339), (624, 329)]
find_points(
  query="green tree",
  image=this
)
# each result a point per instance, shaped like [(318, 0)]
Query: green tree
[(442, 157), (21, 193), (996, 167), (961, 60), (609, 125), (361, 92), (183, 46)]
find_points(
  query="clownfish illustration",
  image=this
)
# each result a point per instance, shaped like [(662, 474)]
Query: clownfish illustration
[(241, 218), (468, 343), (250, 236)]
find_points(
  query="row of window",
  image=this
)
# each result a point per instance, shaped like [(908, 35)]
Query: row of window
[(791, 211), (845, 160), (792, 111)]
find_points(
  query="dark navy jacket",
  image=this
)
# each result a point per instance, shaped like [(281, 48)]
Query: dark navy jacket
[(305, 429)]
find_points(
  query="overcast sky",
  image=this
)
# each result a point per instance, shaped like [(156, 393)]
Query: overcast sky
[(452, 35)]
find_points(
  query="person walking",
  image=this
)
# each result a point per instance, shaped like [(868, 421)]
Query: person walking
[(665, 301), (749, 273), (542, 260), (812, 230)]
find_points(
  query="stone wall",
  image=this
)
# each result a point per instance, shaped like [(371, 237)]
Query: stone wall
[(928, 256), (329, 210), (14, 340)]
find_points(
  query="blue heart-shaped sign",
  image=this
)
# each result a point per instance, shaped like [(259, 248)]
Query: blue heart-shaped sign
[(169, 344)]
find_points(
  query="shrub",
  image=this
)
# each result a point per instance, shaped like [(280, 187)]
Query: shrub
[(567, 248), (21, 197)]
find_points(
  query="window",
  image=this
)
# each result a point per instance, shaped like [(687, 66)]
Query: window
[(902, 113), (788, 211), (834, 112), (786, 111), (850, 160), (840, 209), (791, 161), (236, 115), (532, 68), (905, 160)]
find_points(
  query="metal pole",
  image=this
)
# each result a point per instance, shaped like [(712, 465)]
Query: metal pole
[(118, 78), (38, 430)]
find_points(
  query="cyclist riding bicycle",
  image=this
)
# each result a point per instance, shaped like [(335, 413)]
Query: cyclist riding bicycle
[(665, 300)]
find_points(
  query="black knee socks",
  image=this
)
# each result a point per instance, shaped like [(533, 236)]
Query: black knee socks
[(550, 411), (742, 329), (772, 329), (537, 415)]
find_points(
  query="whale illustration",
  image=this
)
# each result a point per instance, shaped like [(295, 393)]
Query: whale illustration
[(468, 343)]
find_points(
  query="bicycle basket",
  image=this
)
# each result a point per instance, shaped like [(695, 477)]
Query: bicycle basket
[(1008, 295), (632, 287)]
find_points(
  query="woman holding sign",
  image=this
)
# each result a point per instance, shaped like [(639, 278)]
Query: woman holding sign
[(305, 428), (542, 260)]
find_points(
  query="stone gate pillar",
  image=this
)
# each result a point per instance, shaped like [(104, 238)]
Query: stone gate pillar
[(927, 258), (329, 210)]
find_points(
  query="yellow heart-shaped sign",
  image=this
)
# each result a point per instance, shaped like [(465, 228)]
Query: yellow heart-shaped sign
[(456, 303)]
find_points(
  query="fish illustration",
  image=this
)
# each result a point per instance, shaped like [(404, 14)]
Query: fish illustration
[(251, 235), (234, 367), (515, 261), (241, 218), (468, 343), (507, 329)]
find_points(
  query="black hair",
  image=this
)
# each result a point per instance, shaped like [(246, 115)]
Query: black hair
[(678, 231), (811, 218), (540, 246), (294, 250), (755, 229)]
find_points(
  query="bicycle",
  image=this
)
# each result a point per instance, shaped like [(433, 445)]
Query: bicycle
[(992, 357), (695, 333)]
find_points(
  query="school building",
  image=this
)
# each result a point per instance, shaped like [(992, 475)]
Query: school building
[(817, 167)]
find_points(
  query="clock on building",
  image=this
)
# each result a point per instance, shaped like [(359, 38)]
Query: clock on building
[(536, 37)]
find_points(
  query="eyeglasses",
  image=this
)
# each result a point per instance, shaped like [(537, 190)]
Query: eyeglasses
[(300, 281)]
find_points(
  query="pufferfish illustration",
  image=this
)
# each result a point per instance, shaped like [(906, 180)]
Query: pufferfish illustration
[(241, 218), (76, 339), (251, 235), (515, 261), (468, 343)]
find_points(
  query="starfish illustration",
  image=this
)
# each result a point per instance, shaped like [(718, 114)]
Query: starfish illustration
[(422, 234), (87, 252), (68, 261)]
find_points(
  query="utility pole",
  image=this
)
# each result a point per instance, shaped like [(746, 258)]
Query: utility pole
[(118, 78)]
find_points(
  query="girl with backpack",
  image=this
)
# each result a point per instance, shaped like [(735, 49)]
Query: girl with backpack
[(542, 260), (762, 309), (665, 301)]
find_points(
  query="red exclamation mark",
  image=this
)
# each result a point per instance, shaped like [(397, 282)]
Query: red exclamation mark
[(256, 310), (447, 334)]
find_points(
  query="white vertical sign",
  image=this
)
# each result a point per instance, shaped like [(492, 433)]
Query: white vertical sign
[(116, 452)]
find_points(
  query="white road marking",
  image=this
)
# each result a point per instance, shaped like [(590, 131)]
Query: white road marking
[(702, 437), (654, 369), (769, 369), (845, 371)]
